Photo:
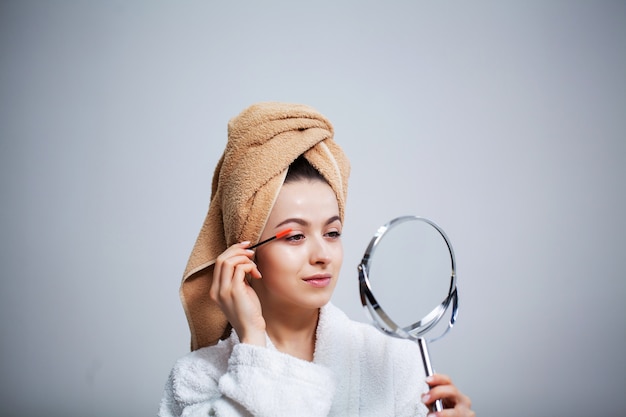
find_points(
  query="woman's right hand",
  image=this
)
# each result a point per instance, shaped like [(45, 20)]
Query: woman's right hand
[(232, 293)]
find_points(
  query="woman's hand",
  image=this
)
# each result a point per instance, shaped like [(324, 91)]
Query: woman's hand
[(235, 297), (455, 403)]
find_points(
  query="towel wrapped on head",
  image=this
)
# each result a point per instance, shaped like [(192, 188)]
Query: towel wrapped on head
[(262, 142)]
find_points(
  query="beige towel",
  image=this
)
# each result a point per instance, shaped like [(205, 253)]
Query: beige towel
[(262, 142)]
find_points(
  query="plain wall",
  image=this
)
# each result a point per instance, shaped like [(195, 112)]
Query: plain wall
[(505, 122)]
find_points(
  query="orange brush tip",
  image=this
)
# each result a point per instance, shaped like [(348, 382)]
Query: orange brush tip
[(283, 233)]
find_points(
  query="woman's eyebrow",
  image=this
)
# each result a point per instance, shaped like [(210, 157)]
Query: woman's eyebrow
[(333, 219), (303, 222), (297, 220)]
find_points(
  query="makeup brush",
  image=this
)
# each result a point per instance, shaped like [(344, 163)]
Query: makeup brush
[(276, 236)]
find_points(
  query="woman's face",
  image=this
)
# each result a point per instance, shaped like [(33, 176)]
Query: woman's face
[(301, 269)]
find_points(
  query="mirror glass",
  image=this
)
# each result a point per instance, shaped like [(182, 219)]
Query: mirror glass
[(410, 271)]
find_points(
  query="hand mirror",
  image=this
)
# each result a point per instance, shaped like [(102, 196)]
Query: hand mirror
[(413, 276)]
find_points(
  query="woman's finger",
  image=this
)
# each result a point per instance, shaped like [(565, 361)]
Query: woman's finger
[(459, 411), (438, 379), (455, 402), (225, 265)]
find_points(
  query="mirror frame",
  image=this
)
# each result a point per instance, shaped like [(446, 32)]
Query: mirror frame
[(380, 318)]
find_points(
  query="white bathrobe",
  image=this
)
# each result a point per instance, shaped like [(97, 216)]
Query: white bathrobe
[(356, 371)]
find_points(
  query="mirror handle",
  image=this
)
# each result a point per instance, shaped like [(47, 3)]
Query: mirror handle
[(423, 344)]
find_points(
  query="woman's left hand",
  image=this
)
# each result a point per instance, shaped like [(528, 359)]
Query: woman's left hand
[(455, 403)]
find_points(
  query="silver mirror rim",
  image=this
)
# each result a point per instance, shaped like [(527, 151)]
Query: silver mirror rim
[(380, 318)]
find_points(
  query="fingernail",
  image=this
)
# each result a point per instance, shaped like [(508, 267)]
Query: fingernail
[(245, 243), (425, 398), (429, 380)]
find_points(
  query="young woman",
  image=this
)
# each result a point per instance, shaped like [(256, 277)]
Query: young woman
[(266, 340)]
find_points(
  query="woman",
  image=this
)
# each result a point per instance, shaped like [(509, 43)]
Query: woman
[(266, 341)]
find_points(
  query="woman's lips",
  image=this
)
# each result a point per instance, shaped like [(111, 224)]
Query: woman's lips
[(318, 281)]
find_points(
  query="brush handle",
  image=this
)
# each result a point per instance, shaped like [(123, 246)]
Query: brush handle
[(276, 236)]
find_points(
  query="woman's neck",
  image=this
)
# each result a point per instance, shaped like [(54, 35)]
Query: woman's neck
[(293, 332)]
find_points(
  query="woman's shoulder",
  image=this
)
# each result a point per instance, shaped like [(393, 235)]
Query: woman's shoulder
[(195, 376), (210, 361)]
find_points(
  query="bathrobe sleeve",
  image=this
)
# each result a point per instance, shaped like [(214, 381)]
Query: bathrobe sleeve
[(233, 379)]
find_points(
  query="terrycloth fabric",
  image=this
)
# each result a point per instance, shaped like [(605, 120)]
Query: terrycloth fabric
[(356, 371), (262, 142)]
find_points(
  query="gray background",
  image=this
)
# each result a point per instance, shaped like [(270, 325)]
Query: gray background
[(503, 121)]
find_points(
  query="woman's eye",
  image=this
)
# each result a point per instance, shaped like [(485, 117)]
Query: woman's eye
[(333, 235), (295, 238)]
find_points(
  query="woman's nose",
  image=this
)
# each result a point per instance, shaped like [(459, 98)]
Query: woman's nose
[(320, 252)]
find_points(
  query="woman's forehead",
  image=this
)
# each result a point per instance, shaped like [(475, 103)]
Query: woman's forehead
[(308, 200)]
